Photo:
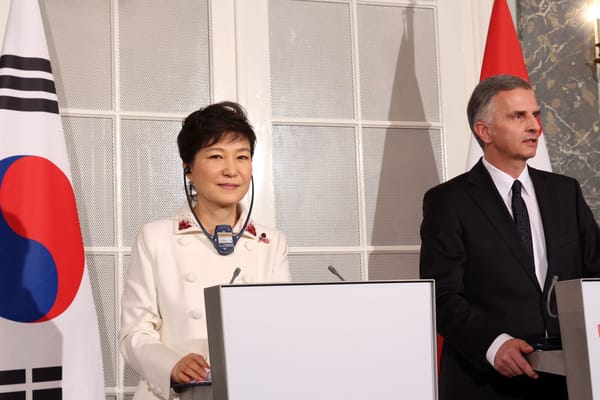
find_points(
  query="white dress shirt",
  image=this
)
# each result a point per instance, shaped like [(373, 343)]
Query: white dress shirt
[(503, 183)]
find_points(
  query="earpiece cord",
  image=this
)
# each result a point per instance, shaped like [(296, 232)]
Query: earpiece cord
[(188, 196), (239, 235)]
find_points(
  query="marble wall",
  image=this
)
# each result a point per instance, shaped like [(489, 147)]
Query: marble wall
[(558, 44)]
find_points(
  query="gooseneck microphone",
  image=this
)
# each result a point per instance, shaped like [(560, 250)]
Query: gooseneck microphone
[(550, 291), (235, 274), (332, 269), (549, 342)]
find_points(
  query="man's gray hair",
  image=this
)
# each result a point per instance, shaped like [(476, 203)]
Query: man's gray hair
[(485, 91)]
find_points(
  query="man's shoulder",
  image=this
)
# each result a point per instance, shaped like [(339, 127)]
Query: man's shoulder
[(538, 175), (453, 185)]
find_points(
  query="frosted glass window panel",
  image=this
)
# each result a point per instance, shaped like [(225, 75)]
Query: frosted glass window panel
[(151, 173), (313, 267), (399, 166), (125, 270), (402, 85), (311, 59), (164, 55), (393, 266), (130, 377), (101, 269), (316, 199), (79, 41), (91, 155)]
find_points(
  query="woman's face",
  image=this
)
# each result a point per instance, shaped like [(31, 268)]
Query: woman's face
[(222, 172)]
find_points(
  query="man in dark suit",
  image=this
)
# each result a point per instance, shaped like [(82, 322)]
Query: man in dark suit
[(493, 273)]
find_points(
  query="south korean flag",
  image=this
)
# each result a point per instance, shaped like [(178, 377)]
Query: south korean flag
[(50, 346)]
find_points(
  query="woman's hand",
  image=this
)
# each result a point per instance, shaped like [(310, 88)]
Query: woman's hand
[(192, 367)]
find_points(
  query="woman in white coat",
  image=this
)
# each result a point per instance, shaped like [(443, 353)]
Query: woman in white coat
[(208, 242)]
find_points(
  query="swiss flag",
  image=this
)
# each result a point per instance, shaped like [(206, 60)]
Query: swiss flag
[(503, 55)]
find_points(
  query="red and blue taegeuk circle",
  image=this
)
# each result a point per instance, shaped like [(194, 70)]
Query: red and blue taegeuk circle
[(41, 250)]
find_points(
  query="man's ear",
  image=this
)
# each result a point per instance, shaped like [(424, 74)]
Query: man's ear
[(483, 131)]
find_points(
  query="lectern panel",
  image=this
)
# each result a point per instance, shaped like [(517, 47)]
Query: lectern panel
[(578, 308), (347, 340), (591, 305)]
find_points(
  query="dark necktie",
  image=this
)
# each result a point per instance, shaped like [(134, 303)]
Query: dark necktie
[(522, 217)]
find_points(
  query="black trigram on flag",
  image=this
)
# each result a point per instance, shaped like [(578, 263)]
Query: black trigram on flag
[(45, 384), (26, 84)]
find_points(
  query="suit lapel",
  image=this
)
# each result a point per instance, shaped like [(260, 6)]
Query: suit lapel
[(484, 193), (549, 207)]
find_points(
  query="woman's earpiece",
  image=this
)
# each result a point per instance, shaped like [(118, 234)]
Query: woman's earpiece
[(186, 170)]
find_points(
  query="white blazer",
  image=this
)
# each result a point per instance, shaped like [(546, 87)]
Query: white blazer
[(163, 316)]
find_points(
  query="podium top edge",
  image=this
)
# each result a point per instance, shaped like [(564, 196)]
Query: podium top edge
[(376, 282), (580, 280)]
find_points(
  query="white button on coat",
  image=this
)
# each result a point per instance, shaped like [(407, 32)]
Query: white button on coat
[(184, 241), (250, 245), (191, 277)]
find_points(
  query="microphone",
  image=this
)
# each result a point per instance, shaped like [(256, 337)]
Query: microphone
[(235, 274), (550, 290), (332, 269), (549, 342)]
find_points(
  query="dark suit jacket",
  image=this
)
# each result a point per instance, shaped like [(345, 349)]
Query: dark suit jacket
[(485, 283)]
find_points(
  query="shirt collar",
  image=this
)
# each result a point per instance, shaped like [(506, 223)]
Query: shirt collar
[(504, 182)]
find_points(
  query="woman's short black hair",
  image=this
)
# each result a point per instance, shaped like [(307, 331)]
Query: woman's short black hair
[(209, 125)]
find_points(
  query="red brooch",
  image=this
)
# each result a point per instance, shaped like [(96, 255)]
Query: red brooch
[(184, 224), (250, 228), (263, 238)]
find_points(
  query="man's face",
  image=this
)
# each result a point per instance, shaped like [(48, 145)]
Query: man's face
[(511, 127)]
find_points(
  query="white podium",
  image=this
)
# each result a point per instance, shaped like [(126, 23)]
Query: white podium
[(346, 340), (578, 304), (579, 313)]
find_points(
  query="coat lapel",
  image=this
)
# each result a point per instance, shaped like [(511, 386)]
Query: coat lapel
[(549, 206), (484, 193)]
